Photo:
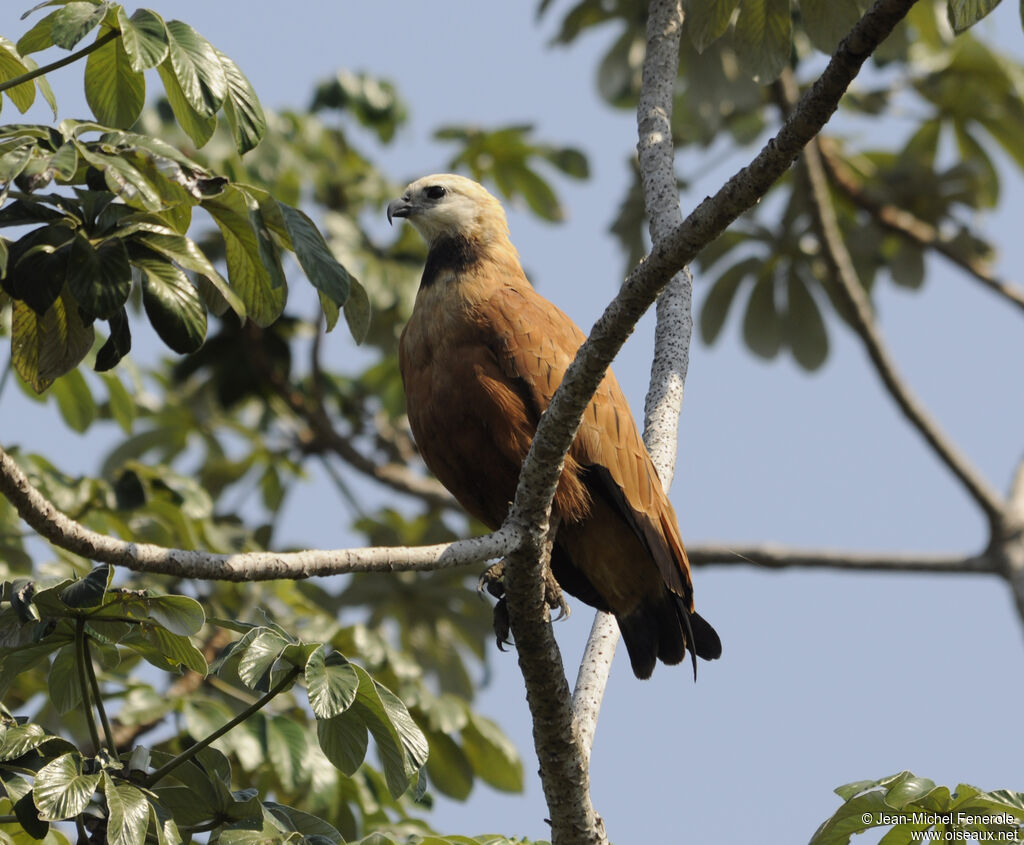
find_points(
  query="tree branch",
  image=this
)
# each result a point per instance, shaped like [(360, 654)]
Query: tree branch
[(324, 436), (906, 224), (777, 556), (655, 149), (861, 314), (558, 426), (43, 516)]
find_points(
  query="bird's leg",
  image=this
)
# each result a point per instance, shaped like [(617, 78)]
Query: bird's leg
[(552, 589), (492, 580)]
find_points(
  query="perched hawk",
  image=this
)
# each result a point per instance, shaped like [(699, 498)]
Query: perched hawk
[(481, 358)]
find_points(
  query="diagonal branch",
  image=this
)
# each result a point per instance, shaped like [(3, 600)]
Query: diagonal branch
[(556, 431), (559, 424), (862, 318), (906, 224), (62, 531), (656, 150)]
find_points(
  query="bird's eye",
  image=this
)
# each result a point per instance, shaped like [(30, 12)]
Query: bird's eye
[(435, 192)]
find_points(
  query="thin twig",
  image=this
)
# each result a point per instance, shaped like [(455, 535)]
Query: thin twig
[(108, 732), (862, 317), (83, 682), (106, 38), (913, 228), (324, 436), (190, 752)]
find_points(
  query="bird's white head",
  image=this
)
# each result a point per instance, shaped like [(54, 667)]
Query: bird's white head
[(447, 205)]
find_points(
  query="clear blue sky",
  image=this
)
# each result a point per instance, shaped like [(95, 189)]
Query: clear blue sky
[(826, 677)]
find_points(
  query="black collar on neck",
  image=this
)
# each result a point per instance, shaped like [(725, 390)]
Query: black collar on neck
[(450, 254)]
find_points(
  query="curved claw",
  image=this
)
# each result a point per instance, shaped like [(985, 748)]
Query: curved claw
[(491, 580)]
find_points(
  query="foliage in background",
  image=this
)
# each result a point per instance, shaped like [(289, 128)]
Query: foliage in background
[(110, 687), (200, 441), (916, 810), (959, 99)]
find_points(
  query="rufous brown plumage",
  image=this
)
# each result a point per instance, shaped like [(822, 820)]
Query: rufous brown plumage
[(481, 358)]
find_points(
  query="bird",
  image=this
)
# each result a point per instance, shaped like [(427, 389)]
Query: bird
[(480, 358)]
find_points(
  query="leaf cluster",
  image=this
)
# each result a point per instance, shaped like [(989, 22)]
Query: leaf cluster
[(125, 222), (957, 101), (82, 640), (915, 809)]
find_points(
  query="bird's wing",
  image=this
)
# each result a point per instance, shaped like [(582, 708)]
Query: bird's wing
[(537, 342)]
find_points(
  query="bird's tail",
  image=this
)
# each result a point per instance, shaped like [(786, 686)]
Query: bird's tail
[(667, 633)]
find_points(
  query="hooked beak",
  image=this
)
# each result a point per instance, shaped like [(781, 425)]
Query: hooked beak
[(401, 207)]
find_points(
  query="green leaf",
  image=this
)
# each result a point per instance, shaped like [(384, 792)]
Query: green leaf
[(312, 827), (74, 399), (494, 757), (343, 740), (64, 163), (197, 68), (99, 279), (331, 684), (122, 178), (716, 305), (172, 304), (179, 614), (17, 740), (963, 14), (804, 326), (264, 296), (315, 257), (45, 347), (61, 790), (10, 67), (198, 127), (120, 403), (357, 310), (908, 791), (286, 750), (127, 812), (165, 650), (88, 591), (144, 37), (242, 107), (448, 767), (762, 330), (401, 744), (537, 193), (76, 20), (827, 22), (62, 683), (114, 89), (330, 309), (707, 20), (855, 816), (39, 37), (907, 266), (763, 38), (258, 659), (184, 251), (117, 345)]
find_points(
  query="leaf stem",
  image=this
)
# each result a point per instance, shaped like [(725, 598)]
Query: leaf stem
[(108, 732), (192, 750), (83, 681), (106, 38)]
